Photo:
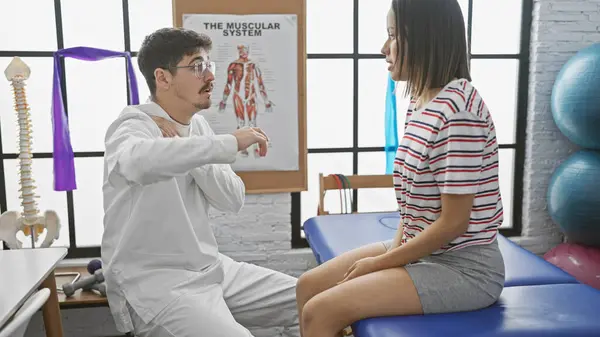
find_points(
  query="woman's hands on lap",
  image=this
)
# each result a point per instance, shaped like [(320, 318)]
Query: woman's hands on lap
[(362, 267), (372, 264)]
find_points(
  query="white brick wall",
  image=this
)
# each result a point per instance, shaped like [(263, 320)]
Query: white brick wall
[(261, 234), (559, 29)]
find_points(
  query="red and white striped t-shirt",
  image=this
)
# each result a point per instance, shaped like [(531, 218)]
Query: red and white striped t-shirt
[(449, 147)]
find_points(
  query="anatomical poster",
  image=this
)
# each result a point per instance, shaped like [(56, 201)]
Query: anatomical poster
[(256, 82)]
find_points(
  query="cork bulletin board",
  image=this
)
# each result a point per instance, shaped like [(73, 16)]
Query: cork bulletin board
[(257, 180)]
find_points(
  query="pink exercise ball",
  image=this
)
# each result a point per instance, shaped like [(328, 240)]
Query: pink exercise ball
[(583, 262)]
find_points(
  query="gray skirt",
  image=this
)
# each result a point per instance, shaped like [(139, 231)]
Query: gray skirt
[(467, 279)]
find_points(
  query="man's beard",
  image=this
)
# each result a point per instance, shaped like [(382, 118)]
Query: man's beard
[(197, 105), (203, 105)]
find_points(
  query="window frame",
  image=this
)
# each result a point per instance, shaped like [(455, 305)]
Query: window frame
[(296, 226), (73, 250), (521, 118)]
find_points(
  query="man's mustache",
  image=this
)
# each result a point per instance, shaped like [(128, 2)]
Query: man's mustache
[(207, 86)]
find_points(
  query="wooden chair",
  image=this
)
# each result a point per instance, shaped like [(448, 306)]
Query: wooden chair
[(352, 182)]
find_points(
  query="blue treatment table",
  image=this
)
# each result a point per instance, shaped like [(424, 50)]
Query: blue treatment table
[(539, 299), (332, 235), (551, 310)]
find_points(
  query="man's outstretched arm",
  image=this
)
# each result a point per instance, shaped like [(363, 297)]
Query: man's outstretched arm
[(133, 151), (223, 188)]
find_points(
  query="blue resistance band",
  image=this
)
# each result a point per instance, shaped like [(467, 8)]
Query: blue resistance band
[(391, 126)]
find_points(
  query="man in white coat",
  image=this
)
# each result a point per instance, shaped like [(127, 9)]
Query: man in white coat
[(163, 271)]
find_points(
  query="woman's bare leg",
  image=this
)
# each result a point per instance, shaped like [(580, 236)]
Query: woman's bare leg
[(328, 274), (383, 293)]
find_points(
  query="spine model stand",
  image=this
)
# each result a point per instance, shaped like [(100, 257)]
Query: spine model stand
[(30, 222)]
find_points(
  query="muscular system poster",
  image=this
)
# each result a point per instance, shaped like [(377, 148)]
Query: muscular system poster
[(256, 82)]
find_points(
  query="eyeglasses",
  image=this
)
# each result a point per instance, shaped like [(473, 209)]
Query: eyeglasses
[(200, 68)]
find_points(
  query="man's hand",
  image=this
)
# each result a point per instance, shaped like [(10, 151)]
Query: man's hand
[(167, 127), (245, 136), (250, 136)]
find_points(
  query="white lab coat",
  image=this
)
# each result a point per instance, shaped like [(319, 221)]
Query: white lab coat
[(157, 241)]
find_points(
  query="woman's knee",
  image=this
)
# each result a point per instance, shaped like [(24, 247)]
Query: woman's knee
[(320, 315), (311, 311), (307, 286)]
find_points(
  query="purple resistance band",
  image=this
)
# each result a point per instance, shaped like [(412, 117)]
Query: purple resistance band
[(64, 162)]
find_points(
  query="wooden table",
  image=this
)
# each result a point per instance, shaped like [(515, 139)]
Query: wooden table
[(80, 298), (23, 271)]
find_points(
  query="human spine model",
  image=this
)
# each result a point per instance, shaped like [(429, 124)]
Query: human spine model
[(30, 222)]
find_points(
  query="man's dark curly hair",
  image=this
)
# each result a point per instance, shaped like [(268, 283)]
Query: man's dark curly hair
[(165, 48)]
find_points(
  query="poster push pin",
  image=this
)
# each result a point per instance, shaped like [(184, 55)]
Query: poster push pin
[(29, 221)]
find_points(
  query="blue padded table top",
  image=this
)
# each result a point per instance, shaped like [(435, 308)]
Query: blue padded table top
[(525, 268), (332, 235), (556, 310)]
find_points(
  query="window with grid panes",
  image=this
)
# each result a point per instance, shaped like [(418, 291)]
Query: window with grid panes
[(346, 84), (346, 78), (94, 93)]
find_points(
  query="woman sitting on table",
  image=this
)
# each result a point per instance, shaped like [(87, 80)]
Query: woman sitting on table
[(444, 257)]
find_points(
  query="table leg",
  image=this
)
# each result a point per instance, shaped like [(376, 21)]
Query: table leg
[(51, 310)]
